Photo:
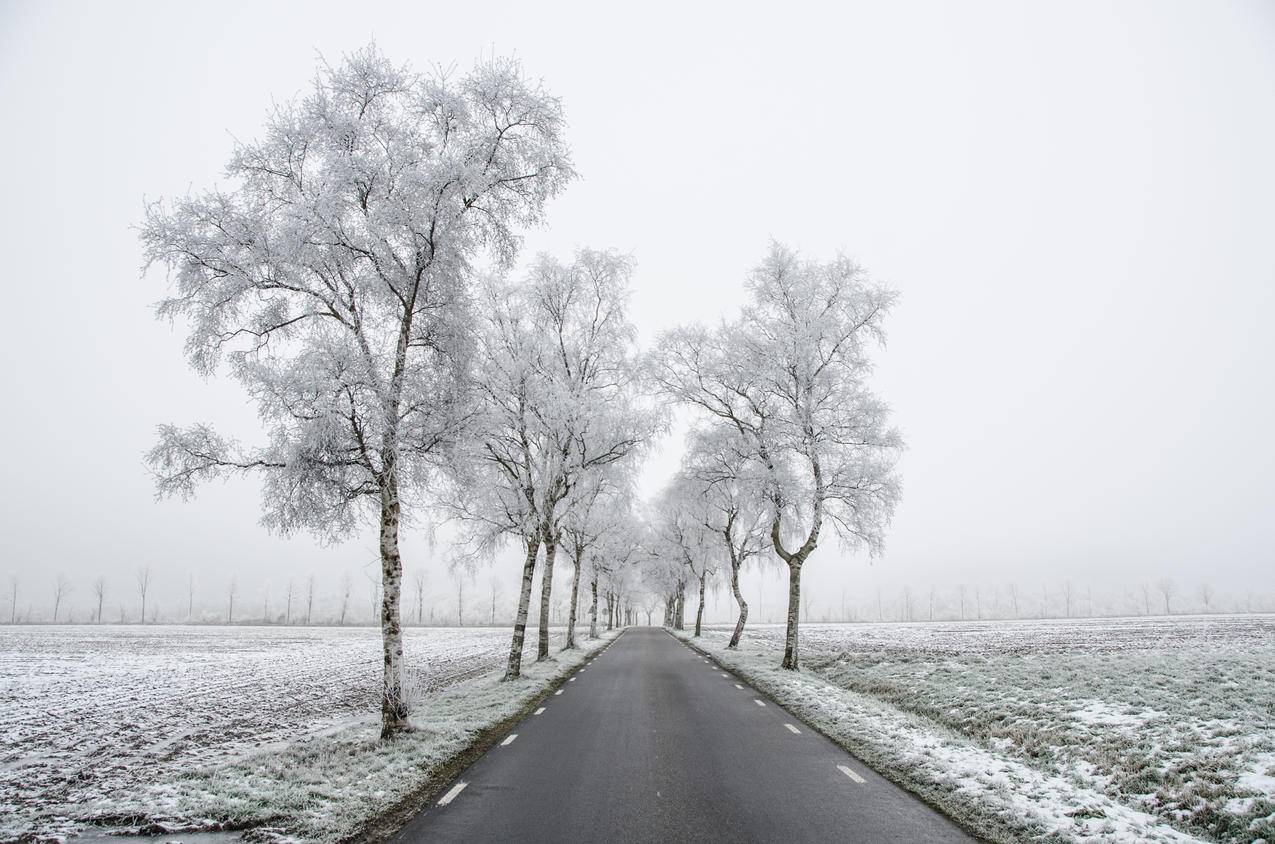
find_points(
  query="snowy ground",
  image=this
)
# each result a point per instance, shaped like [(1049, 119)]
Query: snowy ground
[(1121, 729), (199, 726)]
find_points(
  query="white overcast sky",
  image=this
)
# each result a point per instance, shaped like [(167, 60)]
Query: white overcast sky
[(1076, 201)]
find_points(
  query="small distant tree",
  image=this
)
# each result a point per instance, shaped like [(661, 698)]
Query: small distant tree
[(418, 582), (459, 576), (143, 577), (230, 610), (1167, 589), (190, 597), (1068, 594), (494, 583), (960, 592), (347, 585), (1013, 598), (61, 588), (13, 599), (374, 594), (99, 592), (287, 613), (1206, 597), (1146, 598), (309, 598)]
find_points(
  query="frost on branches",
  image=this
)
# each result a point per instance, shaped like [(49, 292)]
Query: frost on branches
[(789, 377), (557, 407), (332, 279)]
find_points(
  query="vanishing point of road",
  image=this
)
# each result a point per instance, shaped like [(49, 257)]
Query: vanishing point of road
[(652, 742)]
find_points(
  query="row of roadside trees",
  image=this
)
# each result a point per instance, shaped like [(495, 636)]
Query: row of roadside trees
[(353, 276)]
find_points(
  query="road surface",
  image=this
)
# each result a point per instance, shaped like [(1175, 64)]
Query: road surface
[(651, 742)]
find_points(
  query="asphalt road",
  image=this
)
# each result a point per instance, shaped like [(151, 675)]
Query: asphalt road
[(651, 742)]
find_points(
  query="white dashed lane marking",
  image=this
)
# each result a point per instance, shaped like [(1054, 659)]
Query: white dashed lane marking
[(738, 686), (538, 711), (758, 702), (452, 792), (851, 774), (725, 674), (558, 692), (792, 729), (509, 740)]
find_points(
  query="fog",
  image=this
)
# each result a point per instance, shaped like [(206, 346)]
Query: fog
[(1074, 203)]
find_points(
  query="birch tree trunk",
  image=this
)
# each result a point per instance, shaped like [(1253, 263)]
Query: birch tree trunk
[(514, 669), (699, 613), (575, 600), (593, 610), (393, 707), (791, 660), (679, 621), (743, 605), (546, 590)]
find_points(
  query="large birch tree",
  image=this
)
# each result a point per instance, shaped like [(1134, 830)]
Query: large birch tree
[(331, 275)]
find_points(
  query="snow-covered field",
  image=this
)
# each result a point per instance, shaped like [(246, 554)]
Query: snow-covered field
[(1126, 729), (207, 725)]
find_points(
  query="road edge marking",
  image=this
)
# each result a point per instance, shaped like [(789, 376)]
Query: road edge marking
[(851, 774), (451, 793)]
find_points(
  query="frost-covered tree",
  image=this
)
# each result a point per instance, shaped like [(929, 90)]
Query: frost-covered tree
[(61, 588), (730, 485), (791, 376), (1167, 589), (143, 576), (99, 592), (684, 524), (332, 275), (556, 374)]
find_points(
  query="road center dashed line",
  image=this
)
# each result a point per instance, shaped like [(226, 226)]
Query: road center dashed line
[(738, 686), (538, 711), (510, 740), (558, 692), (759, 702), (851, 774), (451, 793), (724, 674), (792, 729)]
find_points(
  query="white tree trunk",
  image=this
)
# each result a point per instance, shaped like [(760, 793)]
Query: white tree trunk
[(514, 669), (593, 610), (546, 590), (699, 613), (791, 660), (393, 707), (575, 600), (743, 606)]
